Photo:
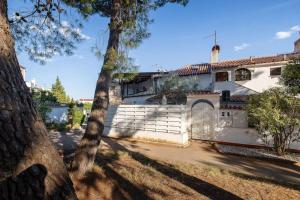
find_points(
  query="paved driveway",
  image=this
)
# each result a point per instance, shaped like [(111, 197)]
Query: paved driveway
[(197, 152)]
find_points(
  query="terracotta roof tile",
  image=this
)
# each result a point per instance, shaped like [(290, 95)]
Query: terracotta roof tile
[(193, 70), (249, 61), (207, 67)]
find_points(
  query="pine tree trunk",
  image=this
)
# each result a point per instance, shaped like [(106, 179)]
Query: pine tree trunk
[(85, 154), (30, 167)]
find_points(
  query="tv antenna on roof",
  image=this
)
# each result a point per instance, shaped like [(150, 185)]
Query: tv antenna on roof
[(215, 37)]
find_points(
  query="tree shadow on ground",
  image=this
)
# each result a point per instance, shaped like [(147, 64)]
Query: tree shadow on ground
[(66, 142), (98, 184), (132, 190), (276, 172), (202, 187)]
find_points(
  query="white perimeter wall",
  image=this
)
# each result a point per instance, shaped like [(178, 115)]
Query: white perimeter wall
[(233, 128), (164, 123), (171, 123), (58, 114), (244, 136)]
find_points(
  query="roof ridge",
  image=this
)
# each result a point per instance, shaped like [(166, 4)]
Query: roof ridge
[(253, 57), (241, 59), (184, 66)]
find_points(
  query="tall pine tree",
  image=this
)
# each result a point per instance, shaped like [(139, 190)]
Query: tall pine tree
[(30, 166), (59, 92), (129, 20)]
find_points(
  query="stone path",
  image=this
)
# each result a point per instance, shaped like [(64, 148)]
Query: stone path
[(197, 152)]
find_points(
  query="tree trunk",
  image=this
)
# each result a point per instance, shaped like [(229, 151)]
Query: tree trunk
[(85, 154), (30, 167), (279, 144)]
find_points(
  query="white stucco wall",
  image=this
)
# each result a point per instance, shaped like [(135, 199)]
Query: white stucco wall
[(232, 118), (172, 123), (260, 80), (234, 88), (179, 139), (247, 136), (234, 129)]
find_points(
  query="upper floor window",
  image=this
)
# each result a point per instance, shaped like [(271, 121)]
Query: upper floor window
[(275, 71), (221, 76), (242, 74)]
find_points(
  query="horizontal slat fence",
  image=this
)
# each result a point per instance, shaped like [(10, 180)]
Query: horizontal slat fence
[(157, 118)]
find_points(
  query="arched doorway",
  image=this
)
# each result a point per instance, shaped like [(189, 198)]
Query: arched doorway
[(203, 120)]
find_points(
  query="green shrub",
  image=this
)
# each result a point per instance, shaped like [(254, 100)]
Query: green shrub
[(77, 116), (291, 76), (61, 127), (275, 114)]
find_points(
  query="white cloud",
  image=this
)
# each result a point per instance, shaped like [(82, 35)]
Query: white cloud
[(241, 47), (283, 34), (66, 30), (82, 36), (287, 34), (295, 28)]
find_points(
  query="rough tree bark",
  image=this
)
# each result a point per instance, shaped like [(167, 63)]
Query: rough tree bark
[(30, 167), (85, 154)]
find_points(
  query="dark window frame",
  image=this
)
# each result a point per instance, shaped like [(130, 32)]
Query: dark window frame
[(275, 71), (242, 74), (221, 77)]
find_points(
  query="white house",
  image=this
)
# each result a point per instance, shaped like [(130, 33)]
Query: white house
[(213, 102), (231, 78)]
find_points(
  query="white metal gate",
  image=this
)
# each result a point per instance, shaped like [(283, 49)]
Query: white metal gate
[(202, 121)]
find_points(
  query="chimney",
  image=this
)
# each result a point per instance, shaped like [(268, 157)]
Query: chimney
[(297, 46), (214, 57)]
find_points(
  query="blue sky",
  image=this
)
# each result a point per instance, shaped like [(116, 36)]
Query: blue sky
[(244, 28)]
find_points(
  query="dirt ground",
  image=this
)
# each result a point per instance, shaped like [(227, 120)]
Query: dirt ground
[(197, 153), (126, 169), (131, 175)]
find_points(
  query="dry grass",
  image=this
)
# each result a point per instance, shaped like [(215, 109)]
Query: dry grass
[(128, 175)]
